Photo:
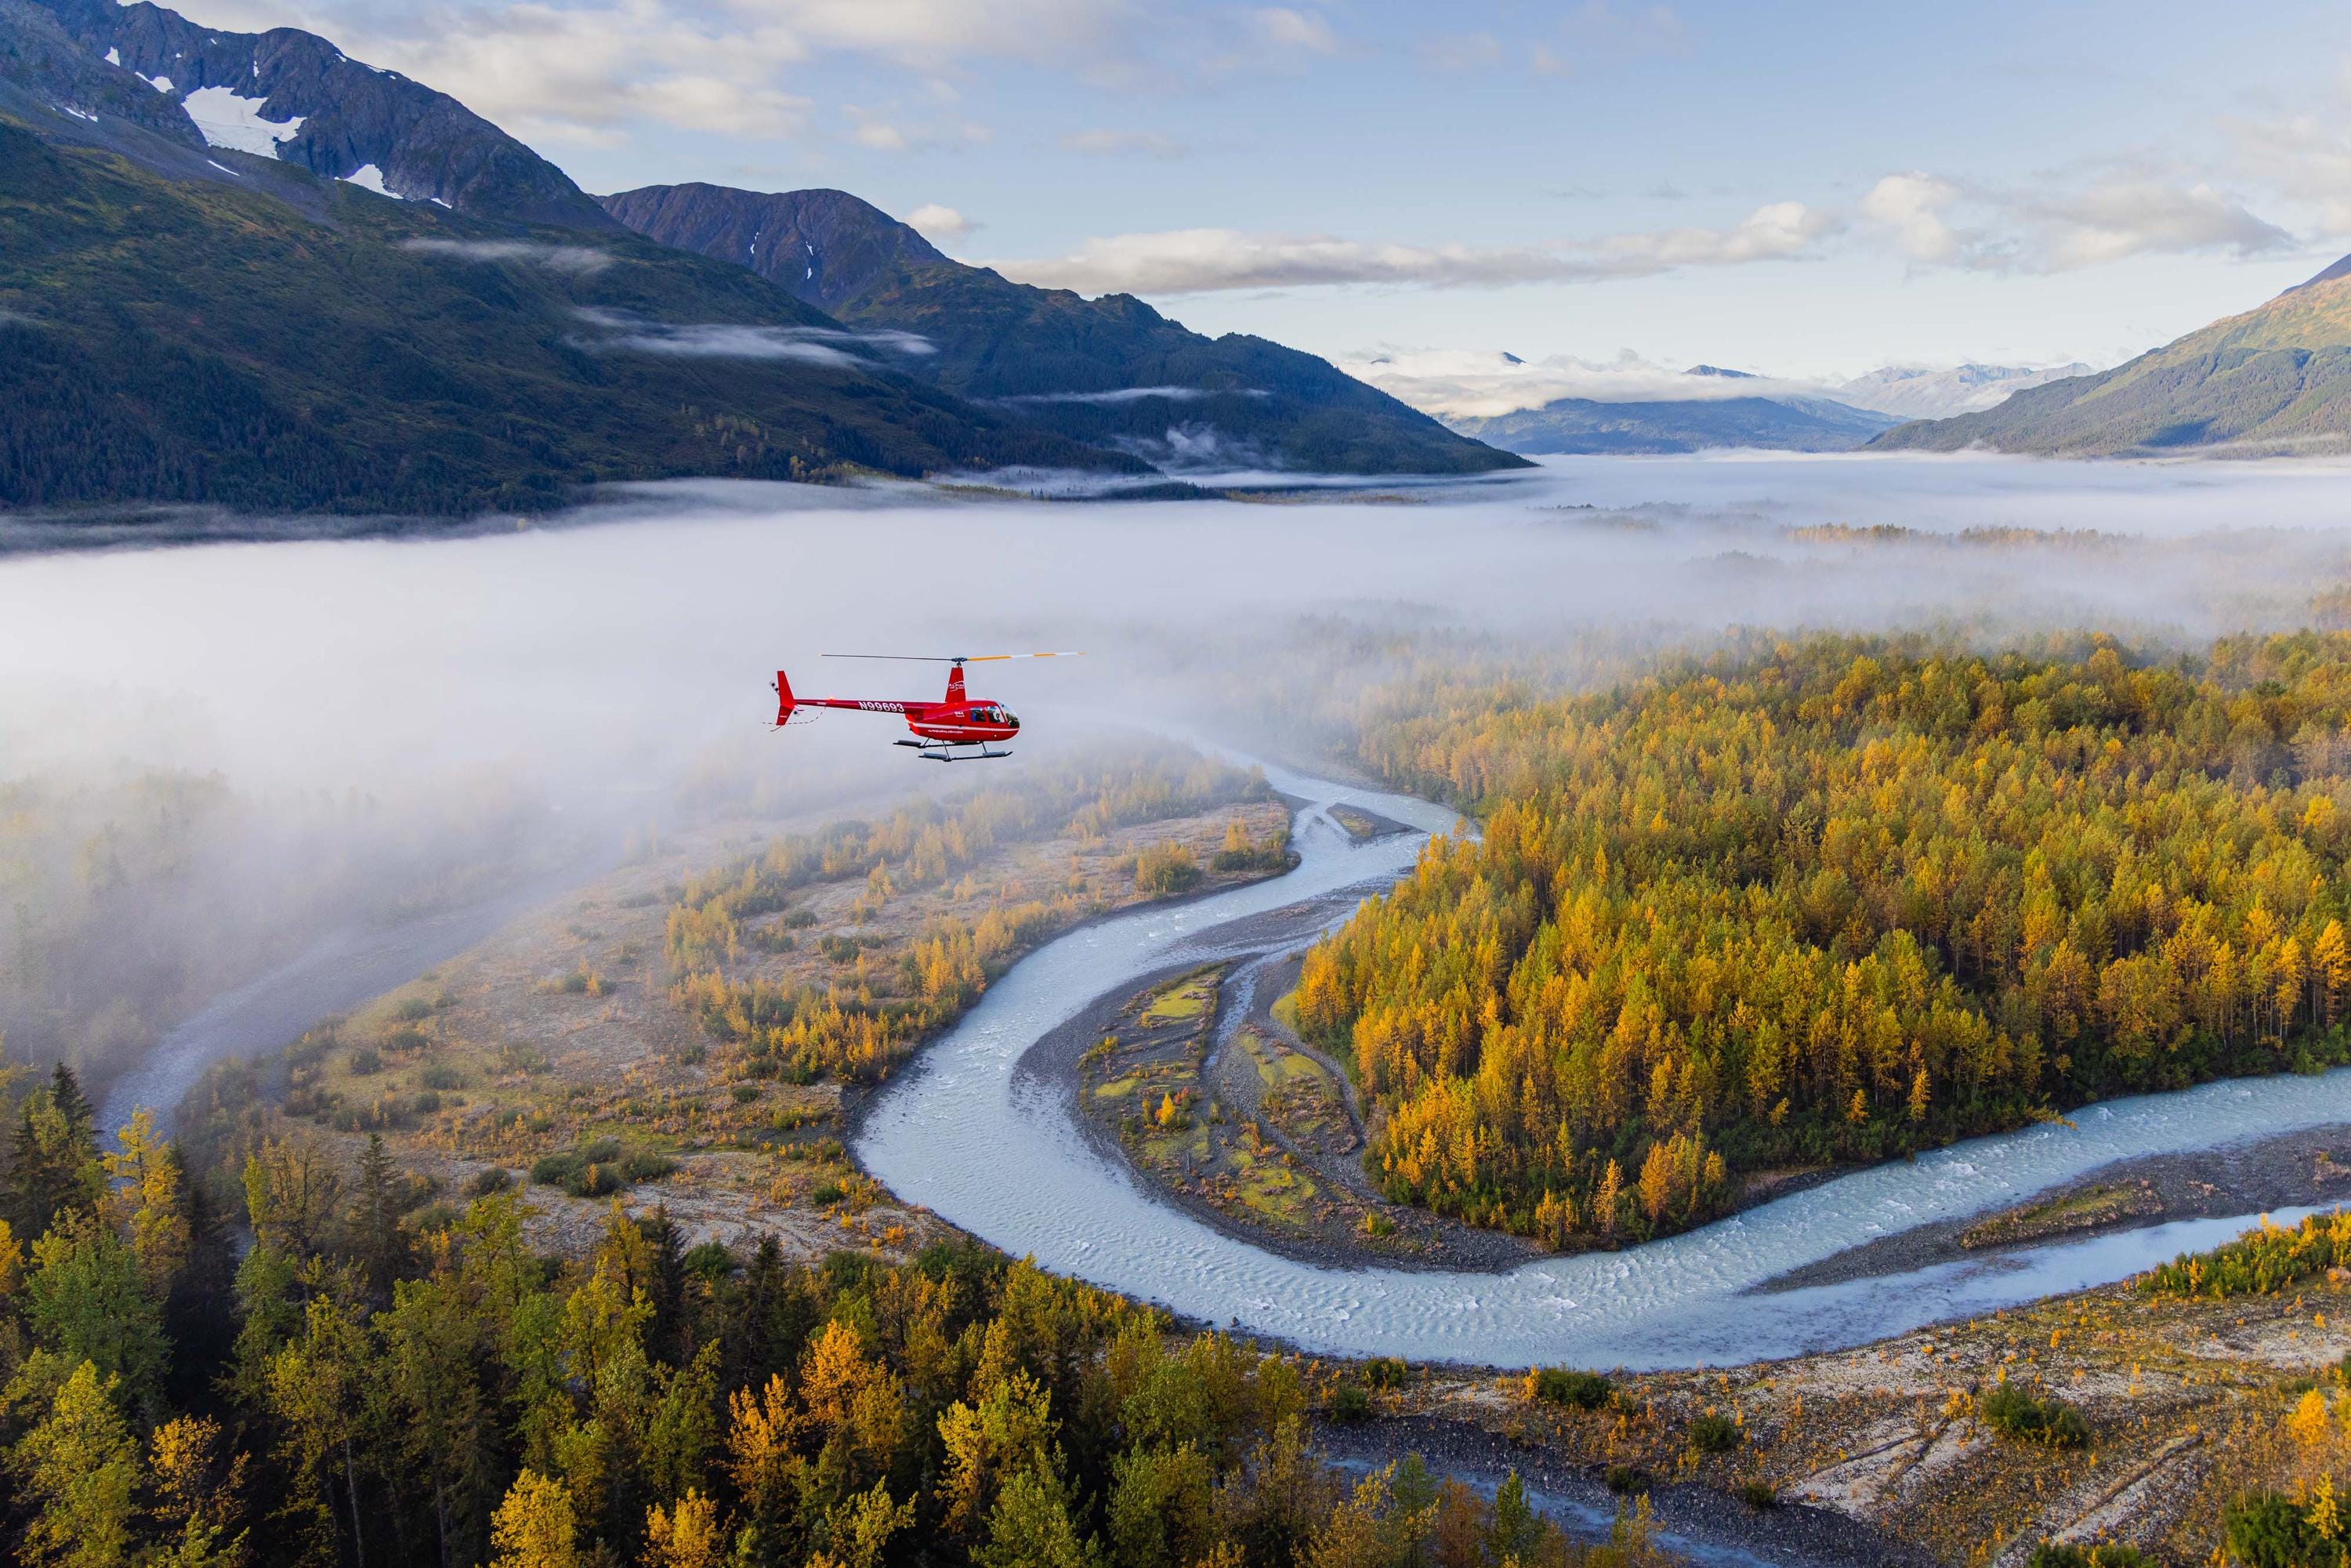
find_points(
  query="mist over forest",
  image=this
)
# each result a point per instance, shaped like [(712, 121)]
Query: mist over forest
[(214, 753)]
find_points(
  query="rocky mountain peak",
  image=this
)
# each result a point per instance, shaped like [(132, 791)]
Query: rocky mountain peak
[(292, 95)]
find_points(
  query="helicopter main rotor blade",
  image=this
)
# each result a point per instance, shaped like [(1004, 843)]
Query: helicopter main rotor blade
[(954, 658)]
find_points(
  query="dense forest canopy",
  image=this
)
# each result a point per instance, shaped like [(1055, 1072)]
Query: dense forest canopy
[(381, 1381), (1835, 899)]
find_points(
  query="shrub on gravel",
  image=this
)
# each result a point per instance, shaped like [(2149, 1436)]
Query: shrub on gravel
[(2060, 1554), (1565, 1385), (1351, 1403), (595, 1170), (1712, 1434), (2013, 1413)]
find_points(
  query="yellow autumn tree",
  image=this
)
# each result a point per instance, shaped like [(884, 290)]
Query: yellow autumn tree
[(687, 1536), (536, 1526)]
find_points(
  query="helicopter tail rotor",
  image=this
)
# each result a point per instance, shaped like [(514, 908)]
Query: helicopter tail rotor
[(788, 707)]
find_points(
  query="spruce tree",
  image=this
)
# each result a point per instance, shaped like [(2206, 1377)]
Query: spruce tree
[(666, 1288), (80, 1118), (377, 1239)]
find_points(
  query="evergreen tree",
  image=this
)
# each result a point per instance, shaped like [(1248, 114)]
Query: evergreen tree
[(80, 1118), (200, 1313), (664, 1284), (53, 1158), (377, 1239)]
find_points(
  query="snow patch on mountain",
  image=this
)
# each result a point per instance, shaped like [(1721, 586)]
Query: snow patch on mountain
[(229, 121)]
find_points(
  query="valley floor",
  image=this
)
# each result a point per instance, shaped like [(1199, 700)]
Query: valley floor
[(2186, 1403), (560, 1038)]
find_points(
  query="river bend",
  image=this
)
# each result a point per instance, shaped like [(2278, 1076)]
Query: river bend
[(996, 1151)]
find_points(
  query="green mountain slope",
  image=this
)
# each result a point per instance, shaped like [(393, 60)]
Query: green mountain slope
[(2275, 378), (1111, 371), (173, 341), (1692, 424)]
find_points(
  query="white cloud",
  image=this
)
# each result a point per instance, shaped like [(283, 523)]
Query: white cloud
[(1113, 143), (1132, 394), (1909, 208), (576, 259), (1195, 261), (2059, 231), (577, 71), (2125, 218), (2302, 156), (1285, 28), (935, 222), (736, 340)]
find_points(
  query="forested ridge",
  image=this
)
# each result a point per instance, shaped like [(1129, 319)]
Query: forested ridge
[(1836, 899), (189, 342), (383, 1380)]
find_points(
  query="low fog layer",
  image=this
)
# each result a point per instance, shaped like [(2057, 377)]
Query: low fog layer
[(375, 724), (606, 657)]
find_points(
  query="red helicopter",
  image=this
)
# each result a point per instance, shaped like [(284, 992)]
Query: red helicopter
[(940, 728)]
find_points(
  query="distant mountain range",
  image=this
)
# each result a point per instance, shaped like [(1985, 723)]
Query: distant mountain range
[(2277, 379), (1112, 372), (1929, 391), (247, 270), (1633, 405), (1585, 425)]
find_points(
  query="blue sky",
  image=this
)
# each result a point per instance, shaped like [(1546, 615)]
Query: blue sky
[(1808, 190)]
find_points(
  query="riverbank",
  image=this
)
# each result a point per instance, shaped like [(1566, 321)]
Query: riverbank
[(2302, 1169), (1226, 1164), (2183, 1405)]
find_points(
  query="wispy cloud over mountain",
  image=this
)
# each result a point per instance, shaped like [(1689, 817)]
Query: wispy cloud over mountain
[(738, 340), (1196, 261), (1939, 221), (576, 259)]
